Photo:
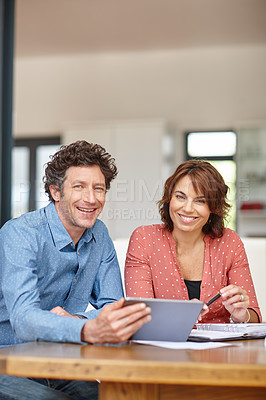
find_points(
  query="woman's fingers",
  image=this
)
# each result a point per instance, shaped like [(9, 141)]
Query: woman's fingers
[(233, 294)]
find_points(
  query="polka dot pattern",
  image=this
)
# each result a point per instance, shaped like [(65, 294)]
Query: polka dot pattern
[(152, 269)]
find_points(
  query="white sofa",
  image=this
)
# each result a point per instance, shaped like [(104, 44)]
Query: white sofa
[(121, 251), (256, 252)]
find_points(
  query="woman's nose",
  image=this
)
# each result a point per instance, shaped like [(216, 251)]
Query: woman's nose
[(188, 205)]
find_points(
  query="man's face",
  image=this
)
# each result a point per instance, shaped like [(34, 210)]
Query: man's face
[(82, 199)]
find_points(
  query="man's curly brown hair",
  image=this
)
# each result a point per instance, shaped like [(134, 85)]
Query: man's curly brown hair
[(80, 153)]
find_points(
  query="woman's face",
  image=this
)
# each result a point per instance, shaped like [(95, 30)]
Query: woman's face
[(188, 210)]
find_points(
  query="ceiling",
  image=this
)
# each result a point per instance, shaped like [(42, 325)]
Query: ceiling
[(48, 27)]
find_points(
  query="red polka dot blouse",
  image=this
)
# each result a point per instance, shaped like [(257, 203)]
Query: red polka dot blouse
[(152, 269)]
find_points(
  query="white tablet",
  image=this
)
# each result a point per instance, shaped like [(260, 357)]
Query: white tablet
[(172, 320)]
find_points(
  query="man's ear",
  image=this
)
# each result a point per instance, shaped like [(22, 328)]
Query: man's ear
[(55, 192)]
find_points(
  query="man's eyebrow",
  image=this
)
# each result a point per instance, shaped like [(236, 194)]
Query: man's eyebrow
[(77, 181), (100, 184), (85, 182)]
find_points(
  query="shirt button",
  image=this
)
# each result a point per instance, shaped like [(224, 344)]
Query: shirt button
[(75, 280)]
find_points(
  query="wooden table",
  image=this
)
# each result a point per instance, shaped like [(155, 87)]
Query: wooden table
[(136, 372)]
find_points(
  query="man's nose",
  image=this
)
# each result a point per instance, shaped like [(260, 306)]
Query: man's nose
[(89, 196)]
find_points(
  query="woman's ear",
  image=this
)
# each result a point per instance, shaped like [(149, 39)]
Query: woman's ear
[(55, 192)]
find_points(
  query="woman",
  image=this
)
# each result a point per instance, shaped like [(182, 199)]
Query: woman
[(192, 255)]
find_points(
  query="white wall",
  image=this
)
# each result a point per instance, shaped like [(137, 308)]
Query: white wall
[(200, 88), (203, 88)]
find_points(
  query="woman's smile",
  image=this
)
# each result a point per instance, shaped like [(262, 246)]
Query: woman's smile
[(186, 218)]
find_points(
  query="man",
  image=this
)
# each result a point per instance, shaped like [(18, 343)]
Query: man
[(57, 260)]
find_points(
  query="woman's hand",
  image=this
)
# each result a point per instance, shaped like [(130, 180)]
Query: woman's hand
[(236, 301), (205, 310)]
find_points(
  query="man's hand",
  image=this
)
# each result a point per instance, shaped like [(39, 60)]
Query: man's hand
[(60, 311), (115, 323)]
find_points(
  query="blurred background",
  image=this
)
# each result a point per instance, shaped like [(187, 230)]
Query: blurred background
[(155, 82)]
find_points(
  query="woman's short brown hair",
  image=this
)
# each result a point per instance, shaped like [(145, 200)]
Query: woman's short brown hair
[(206, 180), (80, 153)]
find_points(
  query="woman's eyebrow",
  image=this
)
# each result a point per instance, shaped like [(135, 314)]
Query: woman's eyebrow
[(180, 191), (184, 194)]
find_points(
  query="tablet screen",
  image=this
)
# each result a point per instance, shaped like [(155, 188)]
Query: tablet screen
[(172, 320)]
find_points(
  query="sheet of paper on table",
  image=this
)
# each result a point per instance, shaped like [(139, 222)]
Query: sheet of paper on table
[(185, 345)]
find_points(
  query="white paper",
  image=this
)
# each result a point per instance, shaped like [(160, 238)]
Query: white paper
[(185, 345)]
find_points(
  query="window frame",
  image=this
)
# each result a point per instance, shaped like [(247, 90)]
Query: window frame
[(216, 158), (211, 158), (32, 143)]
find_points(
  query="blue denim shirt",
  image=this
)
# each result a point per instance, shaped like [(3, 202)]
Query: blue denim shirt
[(41, 269)]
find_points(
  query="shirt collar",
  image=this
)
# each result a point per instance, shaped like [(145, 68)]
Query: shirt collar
[(60, 235)]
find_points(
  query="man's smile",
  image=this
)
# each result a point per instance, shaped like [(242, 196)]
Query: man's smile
[(87, 210)]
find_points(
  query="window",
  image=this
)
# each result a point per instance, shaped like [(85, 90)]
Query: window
[(29, 157), (219, 148)]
